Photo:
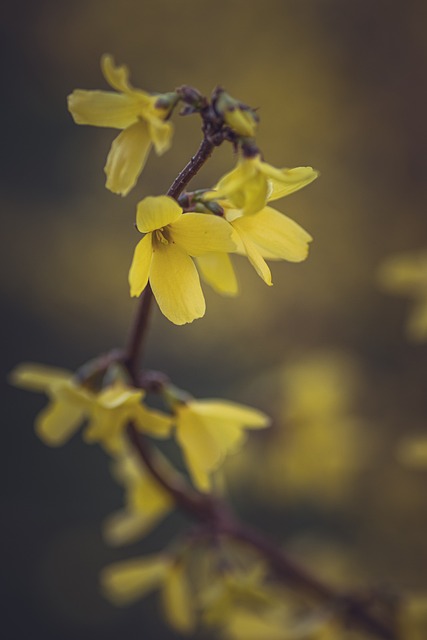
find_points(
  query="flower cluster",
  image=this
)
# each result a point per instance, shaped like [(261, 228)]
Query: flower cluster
[(232, 217)]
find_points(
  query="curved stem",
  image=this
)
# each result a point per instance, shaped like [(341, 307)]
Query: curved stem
[(207, 509)]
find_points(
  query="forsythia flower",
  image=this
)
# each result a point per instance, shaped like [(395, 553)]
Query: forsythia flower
[(70, 405), (253, 181), (127, 581), (146, 500), (141, 116), (208, 430), (407, 274), (163, 255), (263, 234)]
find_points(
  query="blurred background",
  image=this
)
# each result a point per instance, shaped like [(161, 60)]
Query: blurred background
[(341, 86)]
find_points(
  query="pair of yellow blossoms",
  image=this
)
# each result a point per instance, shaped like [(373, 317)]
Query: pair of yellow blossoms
[(164, 256), (206, 430)]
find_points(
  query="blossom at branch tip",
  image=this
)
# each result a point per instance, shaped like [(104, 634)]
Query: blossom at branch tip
[(162, 257), (125, 582), (141, 116), (146, 502), (253, 182), (208, 430), (107, 412)]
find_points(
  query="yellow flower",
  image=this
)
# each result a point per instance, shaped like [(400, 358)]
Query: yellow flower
[(141, 116), (163, 255), (113, 408), (70, 405), (407, 274), (239, 117), (208, 430), (253, 182), (267, 234), (146, 500), (125, 582)]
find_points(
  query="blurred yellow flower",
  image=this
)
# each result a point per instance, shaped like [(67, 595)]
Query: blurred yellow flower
[(208, 430), (412, 451), (125, 582), (108, 411), (146, 502), (412, 619), (406, 274), (163, 255), (252, 182), (141, 116)]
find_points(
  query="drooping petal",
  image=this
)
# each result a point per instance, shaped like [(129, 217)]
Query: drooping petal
[(126, 527), (103, 108), (276, 234), (152, 421), (176, 285), (141, 264), (127, 158), (58, 422), (283, 182), (216, 269), (254, 256), (161, 135), (116, 76), (178, 602), (224, 410), (156, 212), (124, 582), (107, 428), (199, 233), (37, 377), (199, 447), (234, 180), (117, 395)]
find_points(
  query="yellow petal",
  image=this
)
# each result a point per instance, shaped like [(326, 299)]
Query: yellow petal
[(216, 269), (117, 395), (254, 256), (58, 422), (156, 212), (104, 108), (199, 233), (127, 581), (37, 377), (283, 182), (127, 158), (140, 267), (199, 447), (178, 600), (223, 410), (117, 77), (152, 421), (125, 527), (241, 121), (276, 234), (176, 285), (161, 135)]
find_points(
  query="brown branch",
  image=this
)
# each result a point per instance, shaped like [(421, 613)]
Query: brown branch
[(213, 514)]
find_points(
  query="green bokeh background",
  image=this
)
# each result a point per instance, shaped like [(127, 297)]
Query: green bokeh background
[(341, 86)]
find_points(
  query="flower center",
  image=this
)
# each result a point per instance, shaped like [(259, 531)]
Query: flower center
[(161, 236)]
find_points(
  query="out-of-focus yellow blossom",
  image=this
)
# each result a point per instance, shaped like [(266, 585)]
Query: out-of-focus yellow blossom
[(163, 255), (208, 430), (281, 624), (141, 116), (412, 451), (265, 234), (125, 582), (68, 406), (114, 408), (412, 620), (146, 501), (406, 274), (108, 411), (252, 182)]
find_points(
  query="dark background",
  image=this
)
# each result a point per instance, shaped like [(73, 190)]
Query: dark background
[(341, 86)]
